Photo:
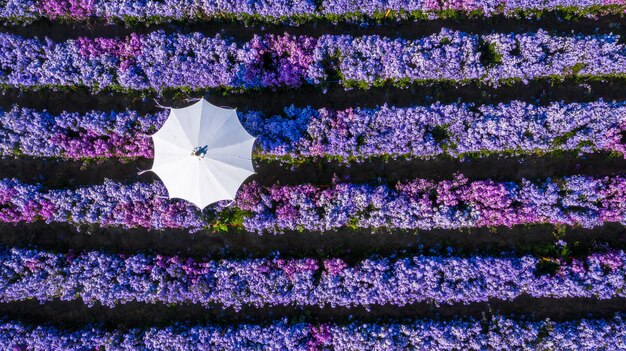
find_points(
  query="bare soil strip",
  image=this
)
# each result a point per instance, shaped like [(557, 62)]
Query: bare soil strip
[(550, 21), (76, 314), (57, 173), (541, 91), (351, 245)]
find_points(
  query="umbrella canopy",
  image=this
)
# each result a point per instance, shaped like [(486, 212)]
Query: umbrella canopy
[(202, 153)]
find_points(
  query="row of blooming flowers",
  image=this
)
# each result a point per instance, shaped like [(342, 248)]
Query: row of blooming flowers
[(159, 60), (491, 333), (110, 279), (416, 204), (353, 133), (271, 10)]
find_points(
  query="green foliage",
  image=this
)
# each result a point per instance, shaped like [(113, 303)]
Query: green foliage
[(231, 217), (559, 231), (577, 68), (440, 133), (547, 266), (450, 14), (382, 16), (359, 84), (489, 54), (444, 41), (562, 139), (353, 223), (418, 15)]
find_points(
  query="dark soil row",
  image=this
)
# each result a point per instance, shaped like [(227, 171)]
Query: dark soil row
[(57, 173), (75, 314), (542, 91), (552, 22), (352, 245)]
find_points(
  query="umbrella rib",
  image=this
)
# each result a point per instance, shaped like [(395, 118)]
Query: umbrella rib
[(230, 145), (232, 166), (167, 165), (174, 145), (219, 184), (219, 127), (185, 132)]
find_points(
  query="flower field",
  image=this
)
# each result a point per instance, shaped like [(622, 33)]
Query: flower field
[(431, 175)]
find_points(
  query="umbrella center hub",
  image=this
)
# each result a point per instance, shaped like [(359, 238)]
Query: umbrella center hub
[(200, 151)]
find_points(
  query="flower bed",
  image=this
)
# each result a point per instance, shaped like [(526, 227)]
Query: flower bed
[(352, 134), (417, 204), (495, 333), (77, 136), (110, 279), (194, 61), (290, 11)]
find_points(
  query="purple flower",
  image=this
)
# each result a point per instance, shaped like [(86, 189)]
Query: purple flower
[(158, 60), (111, 279), (289, 11), (356, 133)]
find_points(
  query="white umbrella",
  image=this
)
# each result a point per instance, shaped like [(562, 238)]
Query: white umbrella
[(202, 153)]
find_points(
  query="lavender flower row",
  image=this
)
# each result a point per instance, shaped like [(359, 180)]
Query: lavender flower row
[(271, 10), (416, 204), (110, 279), (436, 130), (94, 134), (158, 60), (493, 333), (354, 133), (486, 8)]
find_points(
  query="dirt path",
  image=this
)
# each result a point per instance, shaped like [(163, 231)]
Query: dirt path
[(352, 245), (551, 22), (76, 314), (64, 173), (542, 91)]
